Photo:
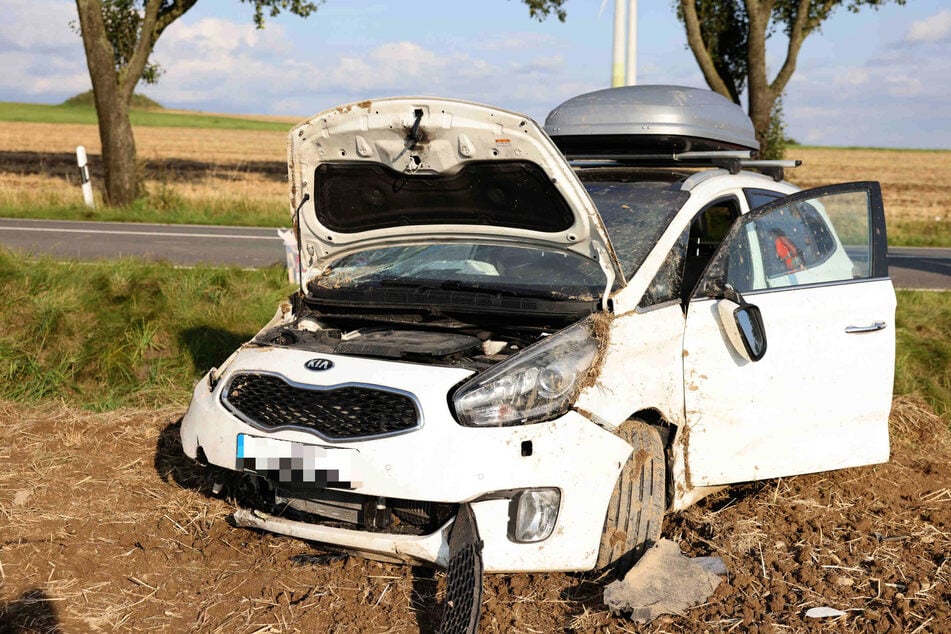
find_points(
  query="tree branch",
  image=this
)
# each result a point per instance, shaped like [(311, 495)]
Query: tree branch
[(99, 51), (798, 31), (169, 14), (699, 49), (129, 76)]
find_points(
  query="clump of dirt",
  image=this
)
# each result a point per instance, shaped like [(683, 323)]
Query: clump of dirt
[(105, 525)]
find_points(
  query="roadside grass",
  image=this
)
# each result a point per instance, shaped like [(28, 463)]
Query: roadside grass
[(923, 348), (123, 333), (111, 334), (226, 199), (42, 113), (163, 207), (919, 233)]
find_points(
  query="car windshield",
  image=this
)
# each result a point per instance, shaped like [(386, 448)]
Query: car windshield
[(475, 267), (635, 214)]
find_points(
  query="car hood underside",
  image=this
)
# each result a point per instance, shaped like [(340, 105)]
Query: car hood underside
[(418, 170)]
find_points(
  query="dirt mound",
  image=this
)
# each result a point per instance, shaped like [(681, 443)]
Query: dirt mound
[(105, 525)]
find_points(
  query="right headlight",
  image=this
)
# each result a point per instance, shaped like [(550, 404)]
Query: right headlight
[(535, 385)]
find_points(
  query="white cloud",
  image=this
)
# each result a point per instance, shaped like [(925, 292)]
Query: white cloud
[(39, 26), (41, 58), (852, 77), (517, 40), (903, 86), (818, 136), (931, 29)]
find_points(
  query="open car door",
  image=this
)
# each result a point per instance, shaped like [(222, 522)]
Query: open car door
[(801, 285)]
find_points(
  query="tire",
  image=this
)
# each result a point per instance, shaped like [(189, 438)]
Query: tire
[(636, 510)]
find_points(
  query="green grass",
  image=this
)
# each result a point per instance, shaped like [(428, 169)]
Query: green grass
[(110, 334), (107, 335), (88, 99), (923, 354), (919, 233), (39, 113), (161, 207)]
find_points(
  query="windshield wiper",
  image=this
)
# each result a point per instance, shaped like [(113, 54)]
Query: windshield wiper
[(456, 285)]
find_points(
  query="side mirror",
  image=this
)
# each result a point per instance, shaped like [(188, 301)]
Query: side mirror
[(743, 324), (749, 321)]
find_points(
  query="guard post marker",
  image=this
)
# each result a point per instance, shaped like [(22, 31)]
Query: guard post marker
[(84, 176)]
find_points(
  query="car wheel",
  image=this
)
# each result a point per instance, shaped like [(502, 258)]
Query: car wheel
[(636, 510)]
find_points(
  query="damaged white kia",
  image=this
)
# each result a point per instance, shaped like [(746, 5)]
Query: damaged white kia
[(515, 347)]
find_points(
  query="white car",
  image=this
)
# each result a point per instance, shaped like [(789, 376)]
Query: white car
[(525, 347)]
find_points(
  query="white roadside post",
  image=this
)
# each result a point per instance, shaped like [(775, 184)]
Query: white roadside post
[(84, 176)]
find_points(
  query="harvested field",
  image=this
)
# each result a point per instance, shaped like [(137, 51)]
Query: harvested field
[(107, 526), (200, 164), (914, 183)]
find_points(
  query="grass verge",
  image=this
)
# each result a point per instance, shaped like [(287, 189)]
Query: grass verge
[(111, 334), (40, 113), (167, 209), (923, 348)]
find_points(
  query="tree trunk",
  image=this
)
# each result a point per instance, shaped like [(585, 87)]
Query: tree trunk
[(112, 107), (759, 93)]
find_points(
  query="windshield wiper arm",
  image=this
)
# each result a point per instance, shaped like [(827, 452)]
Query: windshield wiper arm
[(456, 285)]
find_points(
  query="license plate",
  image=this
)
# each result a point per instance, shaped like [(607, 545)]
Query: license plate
[(297, 462)]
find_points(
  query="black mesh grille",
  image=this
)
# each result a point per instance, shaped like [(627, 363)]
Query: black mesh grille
[(339, 413)]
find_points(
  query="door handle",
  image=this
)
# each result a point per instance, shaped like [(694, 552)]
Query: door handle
[(875, 325)]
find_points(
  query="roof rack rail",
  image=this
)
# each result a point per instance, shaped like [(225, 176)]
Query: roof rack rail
[(731, 160)]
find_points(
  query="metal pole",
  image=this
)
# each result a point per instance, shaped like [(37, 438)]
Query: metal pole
[(84, 176), (617, 66), (631, 75)]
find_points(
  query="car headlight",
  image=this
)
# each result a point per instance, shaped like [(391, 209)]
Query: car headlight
[(535, 385)]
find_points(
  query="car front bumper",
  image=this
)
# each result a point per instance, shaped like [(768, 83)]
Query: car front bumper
[(440, 461)]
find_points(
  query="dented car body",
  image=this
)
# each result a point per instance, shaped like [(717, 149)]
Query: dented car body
[(566, 331)]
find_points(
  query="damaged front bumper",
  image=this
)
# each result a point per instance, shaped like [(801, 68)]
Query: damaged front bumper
[(439, 462)]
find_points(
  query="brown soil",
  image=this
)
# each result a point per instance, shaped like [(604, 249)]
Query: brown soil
[(105, 525)]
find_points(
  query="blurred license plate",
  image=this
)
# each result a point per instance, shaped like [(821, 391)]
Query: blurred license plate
[(289, 461)]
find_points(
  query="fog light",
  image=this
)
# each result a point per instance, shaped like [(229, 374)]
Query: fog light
[(532, 514)]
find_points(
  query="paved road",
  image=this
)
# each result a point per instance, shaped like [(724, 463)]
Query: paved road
[(179, 244), (251, 247), (912, 267)]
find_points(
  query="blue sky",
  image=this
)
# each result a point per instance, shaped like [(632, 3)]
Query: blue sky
[(877, 78)]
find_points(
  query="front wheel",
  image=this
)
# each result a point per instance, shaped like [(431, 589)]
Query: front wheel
[(636, 510)]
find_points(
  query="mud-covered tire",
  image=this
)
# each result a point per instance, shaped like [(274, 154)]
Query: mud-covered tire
[(636, 510)]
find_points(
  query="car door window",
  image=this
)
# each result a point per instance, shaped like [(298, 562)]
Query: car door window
[(707, 231), (690, 254), (815, 237)]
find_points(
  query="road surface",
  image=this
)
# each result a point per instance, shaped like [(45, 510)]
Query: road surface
[(910, 267)]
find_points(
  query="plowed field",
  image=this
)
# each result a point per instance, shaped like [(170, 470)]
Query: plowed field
[(105, 525)]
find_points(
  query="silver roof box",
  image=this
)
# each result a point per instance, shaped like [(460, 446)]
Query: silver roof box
[(638, 120)]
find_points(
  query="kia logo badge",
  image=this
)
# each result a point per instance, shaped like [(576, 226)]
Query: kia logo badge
[(319, 365)]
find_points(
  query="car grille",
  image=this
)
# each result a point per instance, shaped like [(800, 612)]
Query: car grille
[(342, 413)]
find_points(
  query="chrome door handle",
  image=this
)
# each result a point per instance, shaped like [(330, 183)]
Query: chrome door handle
[(875, 325)]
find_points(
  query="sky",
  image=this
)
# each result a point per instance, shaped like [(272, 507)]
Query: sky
[(876, 78)]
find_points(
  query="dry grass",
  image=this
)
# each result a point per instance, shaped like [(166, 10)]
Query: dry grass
[(225, 147)]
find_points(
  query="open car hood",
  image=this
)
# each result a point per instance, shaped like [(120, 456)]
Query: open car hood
[(414, 170)]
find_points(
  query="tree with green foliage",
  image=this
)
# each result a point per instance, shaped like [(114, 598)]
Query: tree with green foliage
[(119, 36), (728, 40)]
